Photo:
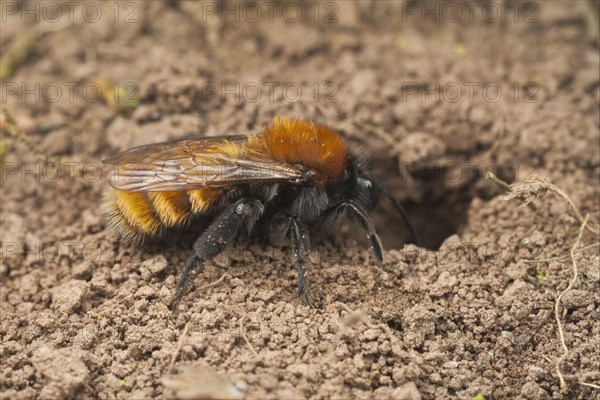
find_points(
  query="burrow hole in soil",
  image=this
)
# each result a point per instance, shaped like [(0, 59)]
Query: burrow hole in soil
[(440, 212)]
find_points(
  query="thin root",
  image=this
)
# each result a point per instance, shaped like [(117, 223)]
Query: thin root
[(178, 348), (243, 335), (175, 302), (527, 191), (563, 384), (588, 384), (215, 283), (582, 249)]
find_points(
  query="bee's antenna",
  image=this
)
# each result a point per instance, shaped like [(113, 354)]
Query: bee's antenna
[(403, 214)]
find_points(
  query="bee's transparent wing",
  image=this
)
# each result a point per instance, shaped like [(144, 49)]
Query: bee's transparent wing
[(190, 164)]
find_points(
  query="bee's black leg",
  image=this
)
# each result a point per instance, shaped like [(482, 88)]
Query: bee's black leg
[(301, 247), (362, 217), (219, 234), (283, 224)]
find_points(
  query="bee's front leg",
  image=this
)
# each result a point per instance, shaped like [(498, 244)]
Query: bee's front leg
[(219, 234), (334, 215), (364, 220)]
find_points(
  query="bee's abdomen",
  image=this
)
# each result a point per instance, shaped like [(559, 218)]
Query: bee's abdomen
[(134, 216), (173, 208), (116, 220)]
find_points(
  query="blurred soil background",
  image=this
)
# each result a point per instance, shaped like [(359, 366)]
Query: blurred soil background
[(436, 94)]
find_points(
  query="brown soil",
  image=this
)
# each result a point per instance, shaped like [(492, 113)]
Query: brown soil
[(465, 315)]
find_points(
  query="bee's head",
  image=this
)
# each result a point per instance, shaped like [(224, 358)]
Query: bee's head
[(364, 187)]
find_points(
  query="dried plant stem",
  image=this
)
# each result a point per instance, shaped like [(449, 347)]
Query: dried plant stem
[(588, 384), (563, 384), (535, 187), (583, 221), (526, 192), (243, 335), (175, 302), (493, 178), (580, 250), (215, 283), (178, 348)]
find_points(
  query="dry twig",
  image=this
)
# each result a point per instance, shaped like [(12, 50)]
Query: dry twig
[(581, 376)]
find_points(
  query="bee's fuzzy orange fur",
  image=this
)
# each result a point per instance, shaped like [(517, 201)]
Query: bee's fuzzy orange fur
[(116, 220), (171, 207), (137, 209), (201, 199), (314, 146), (135, 216)]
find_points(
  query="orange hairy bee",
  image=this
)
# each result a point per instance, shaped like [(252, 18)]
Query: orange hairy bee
[(294, 175)]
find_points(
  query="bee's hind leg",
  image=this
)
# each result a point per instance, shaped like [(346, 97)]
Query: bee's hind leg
[(219, 234)]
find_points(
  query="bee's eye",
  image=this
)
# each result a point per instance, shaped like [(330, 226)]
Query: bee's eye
[(369, 193), (367, 183)]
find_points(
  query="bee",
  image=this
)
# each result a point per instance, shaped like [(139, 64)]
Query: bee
[(292, 176)]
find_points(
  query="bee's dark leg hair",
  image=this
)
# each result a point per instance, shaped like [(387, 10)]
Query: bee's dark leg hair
[(279, 228), (363, 219), (301, 246), (283, 224), (219, 234), (193, 266)]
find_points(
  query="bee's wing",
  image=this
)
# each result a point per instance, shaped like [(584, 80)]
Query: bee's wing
[(190, 164)]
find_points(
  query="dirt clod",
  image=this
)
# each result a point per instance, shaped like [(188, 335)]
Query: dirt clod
[(69, 297), (63, 371)]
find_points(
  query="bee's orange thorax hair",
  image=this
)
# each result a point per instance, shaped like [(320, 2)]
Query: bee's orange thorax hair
[(314, 146)]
